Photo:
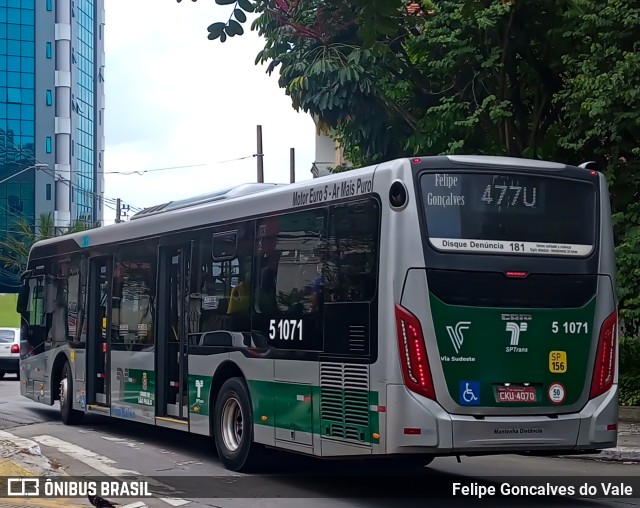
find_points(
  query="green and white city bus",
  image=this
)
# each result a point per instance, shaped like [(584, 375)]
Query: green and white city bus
[(457, 305)]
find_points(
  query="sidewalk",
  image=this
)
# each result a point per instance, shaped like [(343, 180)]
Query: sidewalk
[(22, 457), (628, 449)]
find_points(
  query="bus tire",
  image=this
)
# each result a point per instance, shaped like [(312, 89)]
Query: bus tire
[(68, 415), (233, 427)]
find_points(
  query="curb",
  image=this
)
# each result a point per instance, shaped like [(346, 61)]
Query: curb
[(629, 414), (38, 465), (20, 442), (618, 454)]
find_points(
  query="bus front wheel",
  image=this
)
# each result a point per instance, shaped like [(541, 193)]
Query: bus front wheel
[(68, 415), (233, 427)]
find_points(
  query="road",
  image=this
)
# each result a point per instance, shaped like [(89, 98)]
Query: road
[(101, 446)]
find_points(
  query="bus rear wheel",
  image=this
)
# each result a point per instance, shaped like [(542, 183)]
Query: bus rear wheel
[(233, 427), (68, 415)]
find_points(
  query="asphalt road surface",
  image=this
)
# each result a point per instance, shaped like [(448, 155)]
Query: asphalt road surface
[(101, 446)]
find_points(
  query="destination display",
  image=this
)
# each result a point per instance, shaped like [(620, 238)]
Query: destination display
[(509, 213)]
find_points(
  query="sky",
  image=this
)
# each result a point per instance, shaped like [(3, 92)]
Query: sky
[(175, 98)]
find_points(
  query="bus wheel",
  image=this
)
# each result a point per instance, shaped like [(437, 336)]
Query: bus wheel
[(69, 415), (233, 427)]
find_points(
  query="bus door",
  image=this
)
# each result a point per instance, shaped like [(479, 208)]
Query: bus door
[(98, 364), (171, 359)]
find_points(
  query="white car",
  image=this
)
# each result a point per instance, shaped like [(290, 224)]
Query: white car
[(9, 351)]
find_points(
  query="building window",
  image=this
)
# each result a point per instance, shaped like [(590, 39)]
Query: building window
[(14, 95), (48, 192), (48, 144), (49, 50), (49, 5), (49, 98)]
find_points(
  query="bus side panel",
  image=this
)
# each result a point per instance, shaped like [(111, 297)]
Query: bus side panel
[(32, 376), (400, 248), (133, 385), (77, 361), (43, 373), (201, 370)]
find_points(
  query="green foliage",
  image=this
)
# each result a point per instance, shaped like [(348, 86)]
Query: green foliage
[(14, 249), (552, 79), (8, 315), (629, 379), (600, 97)]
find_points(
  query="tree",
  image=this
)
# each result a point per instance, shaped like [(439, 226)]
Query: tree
[(14, 249), (600, 98), (556, 80)]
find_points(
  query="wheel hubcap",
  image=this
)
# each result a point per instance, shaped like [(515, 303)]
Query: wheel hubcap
[(63, 391), (232, 424)]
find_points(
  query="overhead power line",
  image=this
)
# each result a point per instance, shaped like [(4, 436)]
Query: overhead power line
[(143, 171)]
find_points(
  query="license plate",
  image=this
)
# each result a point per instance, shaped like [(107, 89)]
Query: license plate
[(516, 394)]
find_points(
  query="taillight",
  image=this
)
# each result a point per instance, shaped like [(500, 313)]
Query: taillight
[(15, 348), (413, 354), (604, 370)]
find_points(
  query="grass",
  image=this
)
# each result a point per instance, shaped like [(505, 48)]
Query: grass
[(8, 315)]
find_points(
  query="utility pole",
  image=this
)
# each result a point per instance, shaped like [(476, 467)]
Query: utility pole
[(260, 156), (118, 208), (292, 165)]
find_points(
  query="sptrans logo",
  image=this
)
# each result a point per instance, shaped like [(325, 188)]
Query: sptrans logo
[(516, 325)]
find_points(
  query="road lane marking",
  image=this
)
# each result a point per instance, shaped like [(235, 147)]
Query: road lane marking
[(175, 501), (91, 459), (100, 463)]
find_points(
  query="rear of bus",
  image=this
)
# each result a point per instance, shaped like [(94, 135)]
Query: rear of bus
[(518, 316)]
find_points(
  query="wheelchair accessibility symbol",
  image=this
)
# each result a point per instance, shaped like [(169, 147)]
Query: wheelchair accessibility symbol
[(469, 393)]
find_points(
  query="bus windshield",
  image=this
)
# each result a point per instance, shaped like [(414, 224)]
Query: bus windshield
[(496, 212)]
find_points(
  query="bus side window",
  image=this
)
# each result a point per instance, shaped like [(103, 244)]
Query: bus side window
[(76, 304), (36, 302), (226, 263), (57, 304), (353, 252), (35, 315), (133, 306), (289, 290)]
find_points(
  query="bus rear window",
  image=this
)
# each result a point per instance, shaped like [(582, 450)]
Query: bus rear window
[(509, 213)]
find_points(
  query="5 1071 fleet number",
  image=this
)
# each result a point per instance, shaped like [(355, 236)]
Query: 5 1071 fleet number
[(570, 327), (285, 329)]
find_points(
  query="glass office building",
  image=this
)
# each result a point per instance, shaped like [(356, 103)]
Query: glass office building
[(51, 112)]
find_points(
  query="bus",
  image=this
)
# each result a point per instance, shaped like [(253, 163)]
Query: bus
[(420, 307)]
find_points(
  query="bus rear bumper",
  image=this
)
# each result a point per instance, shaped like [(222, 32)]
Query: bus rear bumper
[(415, 424)]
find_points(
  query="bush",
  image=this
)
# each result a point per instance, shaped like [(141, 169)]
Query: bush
[(629, 380)]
